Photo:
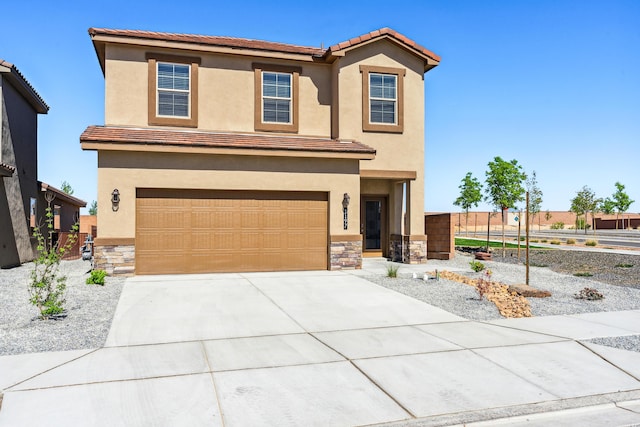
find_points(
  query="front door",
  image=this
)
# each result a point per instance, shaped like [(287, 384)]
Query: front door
[(373, 218)]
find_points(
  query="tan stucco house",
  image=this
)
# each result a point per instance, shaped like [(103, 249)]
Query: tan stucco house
[(224, 154)]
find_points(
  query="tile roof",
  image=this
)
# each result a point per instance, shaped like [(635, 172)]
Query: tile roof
[(23, 86), (61, 195), (412, 45), (234, 42), (159, 137), (6, 170)]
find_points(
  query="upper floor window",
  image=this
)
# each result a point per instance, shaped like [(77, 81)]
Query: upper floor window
[(382, 99), (173, 90), (276, 97)]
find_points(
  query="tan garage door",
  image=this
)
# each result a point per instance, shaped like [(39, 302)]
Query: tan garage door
[(193, 231)]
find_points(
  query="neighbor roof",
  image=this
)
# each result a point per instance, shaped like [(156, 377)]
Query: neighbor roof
[(6, 170), (329, 55), (11, 73), (163, 137), (61, 195)]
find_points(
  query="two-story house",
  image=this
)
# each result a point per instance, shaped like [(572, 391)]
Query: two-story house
[(223, 154), (23, 199)]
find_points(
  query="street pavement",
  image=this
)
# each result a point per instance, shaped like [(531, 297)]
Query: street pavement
[(323, 348)]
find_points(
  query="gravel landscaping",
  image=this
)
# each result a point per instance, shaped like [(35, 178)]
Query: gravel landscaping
[(90, 308), (86, 323), (463, 300)]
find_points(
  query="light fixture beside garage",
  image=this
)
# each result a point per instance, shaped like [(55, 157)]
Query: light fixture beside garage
[(345, 214), (115, 199)]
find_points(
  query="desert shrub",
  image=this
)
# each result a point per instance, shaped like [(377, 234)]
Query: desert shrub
[(591, 243), (46, 285), (555, 242), (392, 271), (589, 294), (583, 274), (571, 241), (543, 240), (483, 285), (96, 277), (624, 265), (557, 225), (476, 266), (533, 241), (581, 224)]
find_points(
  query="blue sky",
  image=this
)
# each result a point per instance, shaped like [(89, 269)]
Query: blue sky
[(553, 84)]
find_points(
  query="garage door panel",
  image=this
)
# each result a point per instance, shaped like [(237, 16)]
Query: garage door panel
[(198, 231)]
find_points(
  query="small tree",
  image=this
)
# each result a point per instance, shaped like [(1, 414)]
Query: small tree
[(504, 187), (584, 202), (46, 286), (93, 209), (535, 197), (622, 202), (66, 187), (470, 196)]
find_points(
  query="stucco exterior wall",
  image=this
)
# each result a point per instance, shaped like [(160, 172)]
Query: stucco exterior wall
[(131, 170), (18, 147), (225, 91)]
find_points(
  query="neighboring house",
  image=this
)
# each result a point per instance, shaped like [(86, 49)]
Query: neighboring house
[(230, 154), (23, 199), (19, 188)]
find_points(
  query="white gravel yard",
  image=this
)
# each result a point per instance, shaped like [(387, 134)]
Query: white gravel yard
[(89, 311), (463, 300), (90, 308)]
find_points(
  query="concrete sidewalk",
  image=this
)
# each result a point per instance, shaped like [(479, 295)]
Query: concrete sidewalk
[(322, 348)]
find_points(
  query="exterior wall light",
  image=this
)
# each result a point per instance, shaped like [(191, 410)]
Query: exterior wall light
[(115, 200), (345, 212)]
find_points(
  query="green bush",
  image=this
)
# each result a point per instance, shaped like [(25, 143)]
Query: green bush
[(557, 225), (392, 271), (96, 277), (624, 265), (591, 243), (583, 274), (580, 224), (476, 266), (571, 241), (555, 242)]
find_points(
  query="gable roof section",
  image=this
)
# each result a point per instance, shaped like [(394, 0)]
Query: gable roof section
[(430, 58), (103, 35), (61, 195), (218, 140), (22, 85)]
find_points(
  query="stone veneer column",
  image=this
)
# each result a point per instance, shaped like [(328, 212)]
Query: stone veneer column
[(395, 248), (346, 252), (415, 249), (114, 258)]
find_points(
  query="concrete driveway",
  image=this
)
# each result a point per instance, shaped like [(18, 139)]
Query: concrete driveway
[(317, 348)]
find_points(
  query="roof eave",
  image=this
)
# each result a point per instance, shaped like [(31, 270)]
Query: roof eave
[(11, 73), (61, 195)]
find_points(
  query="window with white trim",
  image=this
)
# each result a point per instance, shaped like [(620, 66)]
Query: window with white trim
[(173, 90), (383, 98), (276, 97)]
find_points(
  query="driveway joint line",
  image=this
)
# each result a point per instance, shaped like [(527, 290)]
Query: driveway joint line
[(213, 381), (608, 361)]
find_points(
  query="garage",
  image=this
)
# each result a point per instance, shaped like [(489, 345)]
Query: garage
[(201, 231)]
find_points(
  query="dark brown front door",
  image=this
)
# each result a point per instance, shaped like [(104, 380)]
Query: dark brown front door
[(373, 219)]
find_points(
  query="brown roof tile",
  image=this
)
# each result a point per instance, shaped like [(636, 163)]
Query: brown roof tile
[(381, 33), (119, 135), (234, 42)]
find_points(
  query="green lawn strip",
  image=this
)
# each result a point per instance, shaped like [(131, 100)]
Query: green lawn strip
[(476, 243)]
